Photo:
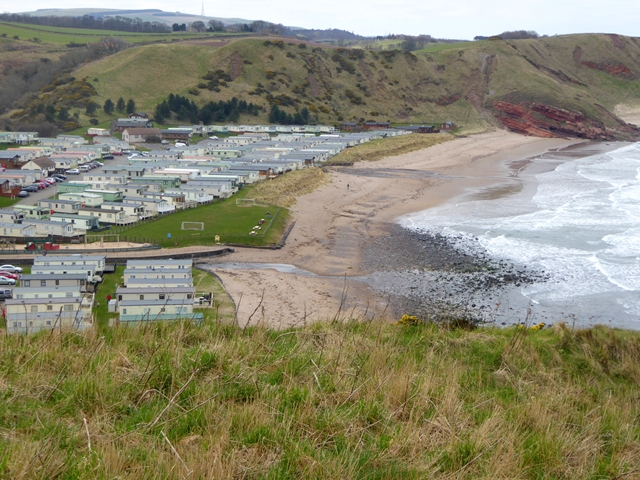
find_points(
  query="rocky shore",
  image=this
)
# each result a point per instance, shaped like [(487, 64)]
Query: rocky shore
[(436, 276)]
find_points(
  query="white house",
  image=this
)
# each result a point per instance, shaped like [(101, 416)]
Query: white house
[(11, 216), (16, 230), (63, 262), (52, 281), (87, 199), (36, 314), (45, 228)]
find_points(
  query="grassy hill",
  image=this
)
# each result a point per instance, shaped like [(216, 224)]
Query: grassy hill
[(583, 73), (336, 400)]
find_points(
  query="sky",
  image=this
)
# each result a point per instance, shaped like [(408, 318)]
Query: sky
[(462, 19)]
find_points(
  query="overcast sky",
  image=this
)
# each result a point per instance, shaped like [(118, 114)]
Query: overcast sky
[(454, 19)]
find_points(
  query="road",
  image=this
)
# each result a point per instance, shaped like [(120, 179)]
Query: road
[(49, 192)]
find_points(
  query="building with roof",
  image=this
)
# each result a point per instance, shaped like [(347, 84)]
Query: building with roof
[(139, 135)]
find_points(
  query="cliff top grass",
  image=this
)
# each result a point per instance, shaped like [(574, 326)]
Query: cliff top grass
[(346, 399)]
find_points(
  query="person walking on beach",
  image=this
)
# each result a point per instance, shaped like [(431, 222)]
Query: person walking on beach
[(347, 186)]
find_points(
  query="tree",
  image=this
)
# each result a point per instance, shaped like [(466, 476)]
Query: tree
[(198, 26), (50, 113), (216, 26), (63, 114), (108, 106), (91, 108), (94, 121), (409, 44), (131, 106), (120, 105)]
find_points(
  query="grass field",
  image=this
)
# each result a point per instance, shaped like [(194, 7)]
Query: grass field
[(60, 35), (225, 219), (335, 400), (7, 202)]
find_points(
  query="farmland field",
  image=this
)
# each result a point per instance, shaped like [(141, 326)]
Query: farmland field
[(61, 35)]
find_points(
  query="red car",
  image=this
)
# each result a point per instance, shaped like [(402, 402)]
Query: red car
[(9, 275)]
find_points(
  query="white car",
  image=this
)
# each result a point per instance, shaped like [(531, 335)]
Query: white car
[(73, 171), (7, 281), (10, 269), (213, 137)]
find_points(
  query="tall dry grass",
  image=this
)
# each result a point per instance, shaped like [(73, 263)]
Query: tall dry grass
[(326, 401), (388, 147), (285, 189)]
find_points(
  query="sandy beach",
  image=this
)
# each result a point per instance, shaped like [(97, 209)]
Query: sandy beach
[(335, 224)]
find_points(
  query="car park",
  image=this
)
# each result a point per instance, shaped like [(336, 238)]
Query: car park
[(23, 194), (10, 268), (73, 171), (7, 281)]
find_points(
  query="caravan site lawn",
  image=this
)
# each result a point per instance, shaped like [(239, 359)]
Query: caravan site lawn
[(231, 222)]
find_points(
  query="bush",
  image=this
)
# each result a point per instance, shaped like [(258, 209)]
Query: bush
[(94, 121)]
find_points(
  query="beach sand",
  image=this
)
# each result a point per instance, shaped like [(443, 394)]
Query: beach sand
[(335, 224)]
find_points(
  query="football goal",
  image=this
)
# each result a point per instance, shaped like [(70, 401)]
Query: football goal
[(245, 202), (192, 226)]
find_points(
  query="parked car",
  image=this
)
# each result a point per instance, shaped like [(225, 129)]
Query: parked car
[(73, 171), (31, 188), (10, 268), (57, 179), (6, 293), (9, 275), (7, 281), (108, 157), (50, 180), (59, 175), (23, 194)]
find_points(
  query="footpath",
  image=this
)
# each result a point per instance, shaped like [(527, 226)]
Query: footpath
[(120, 254)]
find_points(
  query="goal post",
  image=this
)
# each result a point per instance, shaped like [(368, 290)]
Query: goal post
[(245, 202), (192, 226)]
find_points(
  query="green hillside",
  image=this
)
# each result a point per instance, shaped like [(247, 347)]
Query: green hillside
[(583, 73)]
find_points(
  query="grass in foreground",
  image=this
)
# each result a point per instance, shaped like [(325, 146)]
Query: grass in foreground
[(341, 400), (387, 147)]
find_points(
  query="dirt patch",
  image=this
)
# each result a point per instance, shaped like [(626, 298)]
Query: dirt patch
[(615, 69), (314, 86), (617, 41), (236, 68), (577, 54)]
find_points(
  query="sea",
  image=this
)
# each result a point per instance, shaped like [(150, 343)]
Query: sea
[(573, 215)]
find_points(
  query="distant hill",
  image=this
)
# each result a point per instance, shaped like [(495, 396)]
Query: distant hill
[(565, 85), (147, 15)]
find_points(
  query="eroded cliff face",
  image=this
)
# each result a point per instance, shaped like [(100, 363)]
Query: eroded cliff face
[(548, 121)]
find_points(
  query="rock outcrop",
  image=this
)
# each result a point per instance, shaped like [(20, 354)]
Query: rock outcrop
[(547, 121)]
